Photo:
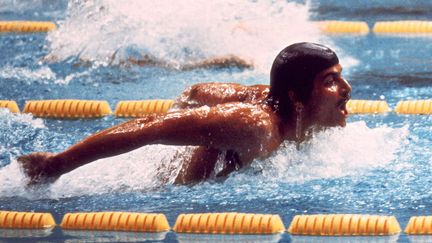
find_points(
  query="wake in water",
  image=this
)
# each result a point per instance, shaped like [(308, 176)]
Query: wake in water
[(179, 32), (174, 33), (333, 153), (16, 130)]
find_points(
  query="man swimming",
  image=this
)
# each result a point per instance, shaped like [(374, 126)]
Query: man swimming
[(226, 121)]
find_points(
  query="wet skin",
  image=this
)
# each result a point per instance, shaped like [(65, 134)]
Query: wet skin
[(227, 61), (212, 94), (331, 92), (232, 120), (327, 108)]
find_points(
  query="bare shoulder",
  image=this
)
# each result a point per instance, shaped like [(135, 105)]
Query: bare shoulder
[(234, 117), (251, 120), (211, 88), (212, 94), (253, 128), (223, 87), (247, 112)]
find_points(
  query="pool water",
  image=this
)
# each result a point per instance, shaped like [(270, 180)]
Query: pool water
[(378, 164)]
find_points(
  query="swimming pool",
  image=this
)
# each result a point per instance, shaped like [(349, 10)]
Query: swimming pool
[(378, 164)]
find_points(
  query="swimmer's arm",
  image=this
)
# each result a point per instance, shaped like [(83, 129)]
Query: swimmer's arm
[(213, 62), (226, 127), (219, 62)]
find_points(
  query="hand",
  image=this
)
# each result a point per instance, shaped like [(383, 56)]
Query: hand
[(38, 167)]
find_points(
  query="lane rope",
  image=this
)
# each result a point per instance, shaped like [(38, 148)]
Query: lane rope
[(367, 107), (343, 27), (26, 220), (139, 108), (418, 107), (10, 105), (229, 223), (343, 225), (403, 27), (74, 109), (116, 221), (26, 26), (67, 109)]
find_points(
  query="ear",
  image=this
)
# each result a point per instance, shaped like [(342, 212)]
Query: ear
[(297, 104), (291, 96)]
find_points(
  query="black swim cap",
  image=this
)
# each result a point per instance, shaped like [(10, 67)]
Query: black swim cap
[(295, 68)]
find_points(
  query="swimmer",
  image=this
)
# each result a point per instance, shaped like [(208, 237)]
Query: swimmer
[(227, 61), (230, 121), (214, 62)]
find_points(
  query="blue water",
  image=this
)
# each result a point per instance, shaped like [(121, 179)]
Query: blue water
[(378, 164)]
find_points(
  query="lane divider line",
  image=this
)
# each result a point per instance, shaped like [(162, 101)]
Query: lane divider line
[(229, 223), (26, 220), (343, 27), (115, 221), (344, 225), (403, 27), (9, 104), (26, 26), (367, 107), (76, 109)]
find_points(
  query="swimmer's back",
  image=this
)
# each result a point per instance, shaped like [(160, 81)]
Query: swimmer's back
[(212, 94)]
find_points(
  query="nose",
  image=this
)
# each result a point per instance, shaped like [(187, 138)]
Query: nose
[(345, 88)]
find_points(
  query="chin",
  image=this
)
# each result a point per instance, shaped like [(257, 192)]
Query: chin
[(330, 124), (336, 123), (340, 123), (333, 120)]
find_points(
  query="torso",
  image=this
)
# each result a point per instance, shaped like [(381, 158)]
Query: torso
[(203, 159)]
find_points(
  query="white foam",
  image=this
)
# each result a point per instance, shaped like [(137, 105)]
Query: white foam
[(335, 153), (179, 31), (43, 74), (7, 119), (12, 181), (146, 168), (142, 169), (15, 128)]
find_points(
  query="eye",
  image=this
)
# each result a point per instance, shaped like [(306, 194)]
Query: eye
[(330, 80)]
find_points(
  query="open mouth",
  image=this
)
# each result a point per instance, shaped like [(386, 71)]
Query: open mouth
[(342, 106)]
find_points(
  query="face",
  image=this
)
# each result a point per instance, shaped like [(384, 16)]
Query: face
[(331, 92)]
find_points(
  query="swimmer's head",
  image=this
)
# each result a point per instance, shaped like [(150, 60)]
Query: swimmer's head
[(294, 69)]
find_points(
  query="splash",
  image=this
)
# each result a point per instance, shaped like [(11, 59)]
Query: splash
[(335, 153), (42, 74), (180, 31), (15, 129), (330, 154), (143, 169), (7, 119)]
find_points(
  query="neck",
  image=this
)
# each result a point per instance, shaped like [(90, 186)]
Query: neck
[(296, 127)]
